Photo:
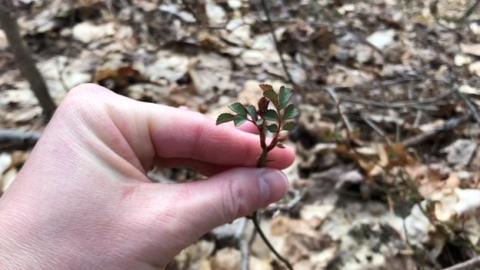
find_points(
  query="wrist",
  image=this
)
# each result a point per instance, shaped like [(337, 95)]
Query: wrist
[(16, 249)]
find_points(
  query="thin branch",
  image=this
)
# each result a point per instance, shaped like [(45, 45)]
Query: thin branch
[(471, 107), (244, 245), (277, 44), (17, 140), (24, 59), (469, 11), (473, 263), (346, 122), (376, 128)]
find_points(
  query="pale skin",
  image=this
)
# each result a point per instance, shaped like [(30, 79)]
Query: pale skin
[(83, 200)]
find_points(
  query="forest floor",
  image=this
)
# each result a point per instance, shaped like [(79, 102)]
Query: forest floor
[(388, 168)]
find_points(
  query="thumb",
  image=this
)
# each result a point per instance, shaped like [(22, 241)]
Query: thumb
[(200, 206)]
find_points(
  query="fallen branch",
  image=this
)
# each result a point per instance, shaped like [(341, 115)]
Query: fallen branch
[(473, 263), (17, 140), (24, 59)]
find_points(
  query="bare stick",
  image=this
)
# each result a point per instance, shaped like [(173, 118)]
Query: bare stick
[(24, 59), (473, 263), (344, 118), (473, 109), (470, 11), (275, 40), (17, 140), (244, 245)]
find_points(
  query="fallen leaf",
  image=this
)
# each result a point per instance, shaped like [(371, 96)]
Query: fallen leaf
[(381, 39), (88, 32), (473, 49), (460, 152)]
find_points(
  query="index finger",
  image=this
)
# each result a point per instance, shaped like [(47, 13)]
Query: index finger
[(178, 133)]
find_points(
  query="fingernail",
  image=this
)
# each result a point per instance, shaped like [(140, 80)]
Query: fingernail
[(273, 185)]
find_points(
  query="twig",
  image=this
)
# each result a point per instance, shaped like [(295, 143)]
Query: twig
[(344, 118), (277, 44), (244, 245), (376, 128), (469, 11), (17, 140), (471, 107), (470, 264), (449, 125)]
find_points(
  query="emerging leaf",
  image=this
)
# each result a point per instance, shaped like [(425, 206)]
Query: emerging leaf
[(252, 111), (238, 108), (272, 96), (290, 112), (263, 104), (266, 87), (259, 122), (280, 145), (285, 96), (271, 115), (224, 118), (289, 126), (273, 128), (239, 120)]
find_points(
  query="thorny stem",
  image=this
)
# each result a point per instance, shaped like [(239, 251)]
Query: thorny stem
[(262, 161), (267, 242), (259, 117)]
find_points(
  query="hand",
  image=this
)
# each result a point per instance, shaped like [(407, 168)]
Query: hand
[(83, 199)]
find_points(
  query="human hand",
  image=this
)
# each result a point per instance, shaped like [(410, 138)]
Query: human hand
[(83, 199)]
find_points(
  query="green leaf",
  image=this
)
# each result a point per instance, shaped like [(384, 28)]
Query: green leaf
[(285, 96), (272, 128), (290, 112), (252, 111), (238, 108), (239, 120), (224, 118), (271, 115), (289, 126), (272, 96)]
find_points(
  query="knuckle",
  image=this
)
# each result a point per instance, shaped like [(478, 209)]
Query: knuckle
[(83, 90), (237, 199), (80, 99)]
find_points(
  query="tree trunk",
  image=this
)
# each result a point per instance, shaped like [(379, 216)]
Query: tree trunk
[(25, 61)]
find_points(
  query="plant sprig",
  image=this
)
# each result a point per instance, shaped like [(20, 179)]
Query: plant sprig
[(274, 115)]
